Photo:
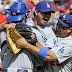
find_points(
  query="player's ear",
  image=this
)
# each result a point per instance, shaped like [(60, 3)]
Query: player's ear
[(36, 12), (69, 30), (27, 14)]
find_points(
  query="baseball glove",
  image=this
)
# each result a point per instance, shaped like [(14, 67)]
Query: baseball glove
[(26, 32), (12, 35)]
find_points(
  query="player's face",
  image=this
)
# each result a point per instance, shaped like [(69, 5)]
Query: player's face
[(61, 30), (43, 17)]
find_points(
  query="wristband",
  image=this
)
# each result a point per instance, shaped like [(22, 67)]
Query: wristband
[(42, 53)]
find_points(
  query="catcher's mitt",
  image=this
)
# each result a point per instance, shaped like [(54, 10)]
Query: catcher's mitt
[(26, 32), (12, 35)]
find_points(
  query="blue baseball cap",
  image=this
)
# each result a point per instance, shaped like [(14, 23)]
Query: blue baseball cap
[(44, 6), (65, 20), (18, 11)]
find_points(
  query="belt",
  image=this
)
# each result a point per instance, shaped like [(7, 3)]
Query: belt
[(16, 70)]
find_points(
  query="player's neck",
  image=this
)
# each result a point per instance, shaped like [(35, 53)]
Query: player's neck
[(35, 22)]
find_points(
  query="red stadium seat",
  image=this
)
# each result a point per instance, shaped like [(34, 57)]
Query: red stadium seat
[(2, 18), (31, 6)]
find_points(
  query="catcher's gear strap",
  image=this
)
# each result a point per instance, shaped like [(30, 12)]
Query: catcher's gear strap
[(4, 49), (42, 53), (4, 42), (39, 69)]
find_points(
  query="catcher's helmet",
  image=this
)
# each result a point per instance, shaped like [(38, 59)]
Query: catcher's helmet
[(18, 11)]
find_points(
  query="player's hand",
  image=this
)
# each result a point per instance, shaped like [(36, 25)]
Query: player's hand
[(21, 43), (11, 25)]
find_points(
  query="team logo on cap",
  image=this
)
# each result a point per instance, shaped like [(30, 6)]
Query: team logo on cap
[(65, 19), (18, 11), (48, 6), (64, 16)]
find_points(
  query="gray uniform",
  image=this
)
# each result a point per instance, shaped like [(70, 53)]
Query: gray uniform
[(22, 60)]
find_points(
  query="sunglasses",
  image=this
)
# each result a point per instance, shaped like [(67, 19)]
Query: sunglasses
[(65, 21)]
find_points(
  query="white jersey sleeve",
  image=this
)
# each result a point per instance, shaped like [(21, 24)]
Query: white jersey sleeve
[(39, 37), (63, 49), (3, 36)]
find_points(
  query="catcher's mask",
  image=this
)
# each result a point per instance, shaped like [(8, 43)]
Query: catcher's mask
[(18, 10)]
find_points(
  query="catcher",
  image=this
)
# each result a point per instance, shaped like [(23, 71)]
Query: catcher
[(20, 60)]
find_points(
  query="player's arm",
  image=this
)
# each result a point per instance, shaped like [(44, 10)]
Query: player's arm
[(38, 44), (40, 51), (5, 26), (50, 56)]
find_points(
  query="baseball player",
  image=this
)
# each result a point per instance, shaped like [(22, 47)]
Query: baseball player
[(21, 61), (60, 54), (3, 27), (42, 16)]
